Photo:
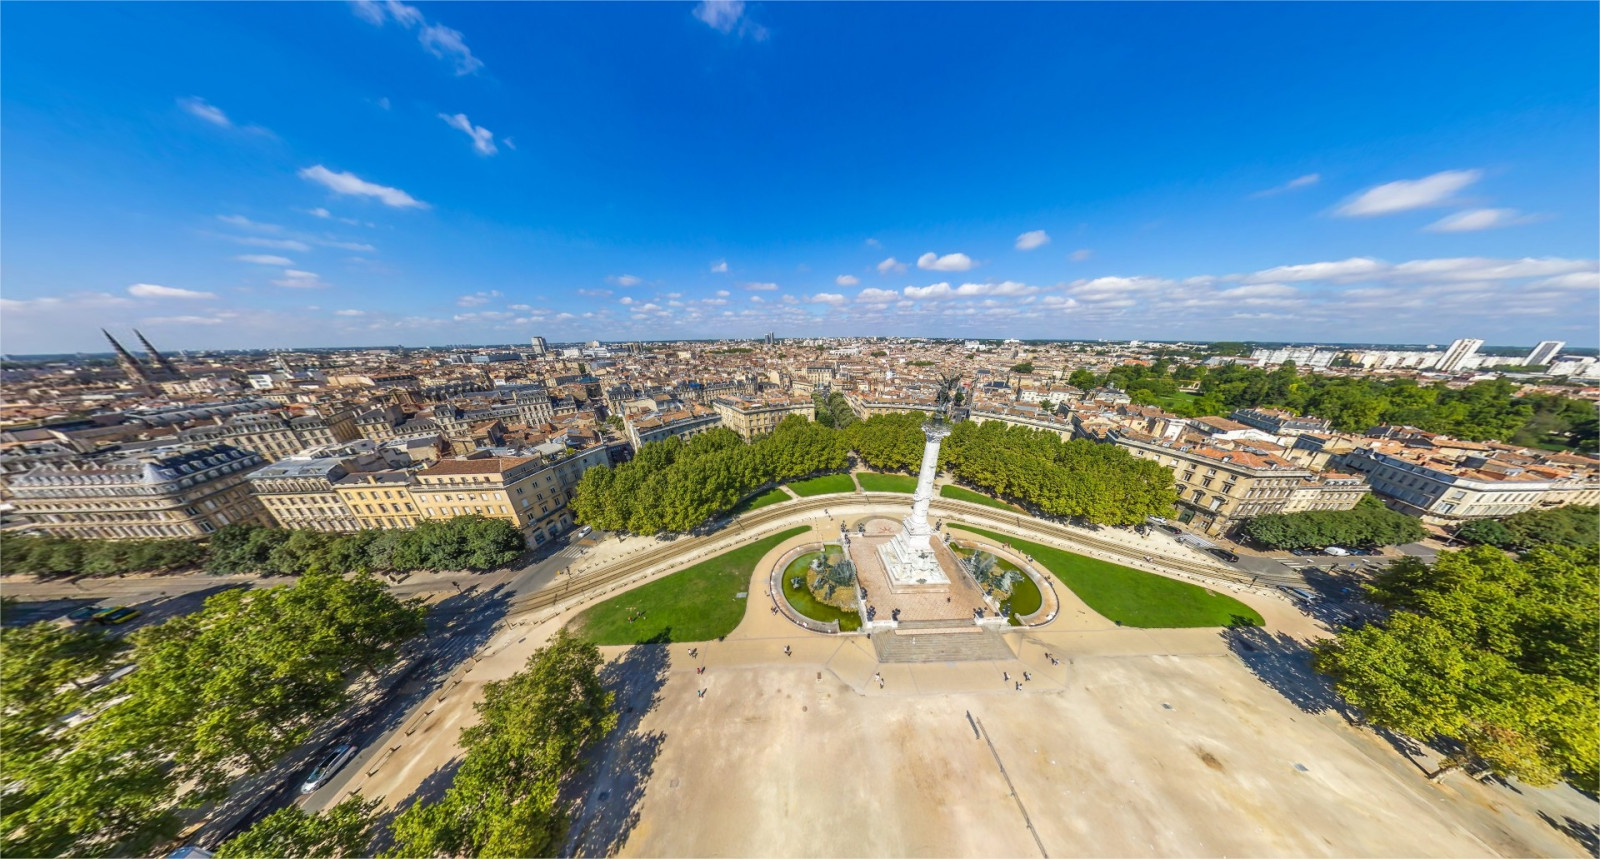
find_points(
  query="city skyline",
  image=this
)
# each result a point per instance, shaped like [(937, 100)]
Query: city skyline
[(371, 174)]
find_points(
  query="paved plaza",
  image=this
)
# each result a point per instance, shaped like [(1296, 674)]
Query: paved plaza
[(957, 600)]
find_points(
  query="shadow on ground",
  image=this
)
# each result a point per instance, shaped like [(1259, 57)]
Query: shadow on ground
[(431, 790), (605, 798), (1284, 663), (1585, 833)]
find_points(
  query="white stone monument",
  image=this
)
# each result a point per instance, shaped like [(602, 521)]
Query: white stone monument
[(909, 556)]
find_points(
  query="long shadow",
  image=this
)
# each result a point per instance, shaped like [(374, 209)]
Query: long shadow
[(1585, 833), (431, 789), (605, 798), (1343, 603), (1284, 663)]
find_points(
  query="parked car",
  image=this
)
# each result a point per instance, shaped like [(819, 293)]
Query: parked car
[(83, 613), (1224, 554), (331, 763), (1336, 551), (1171, 528), (582, 532), (115, 615), (1300, 595)]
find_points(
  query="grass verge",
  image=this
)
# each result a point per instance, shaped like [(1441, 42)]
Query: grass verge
[(697, 604), (950, 490), (807, 604), (1025, 597), (771, 496), (871, 481), (827, 484), (1131, 597)]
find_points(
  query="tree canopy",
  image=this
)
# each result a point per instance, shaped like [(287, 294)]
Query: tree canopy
[(1491, 654), (227, 689), (535, 727), (343, 830), (469, 542), (1562, 526), (1099, 483), (59, 556), (1369, 523)]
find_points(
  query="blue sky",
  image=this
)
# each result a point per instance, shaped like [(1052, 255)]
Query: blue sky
[(283, 174)]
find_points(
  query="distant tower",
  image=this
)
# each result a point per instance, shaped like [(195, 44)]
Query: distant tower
[(1459, 353), (163, 366), (129, 364), (539, 346), (1545, 353)]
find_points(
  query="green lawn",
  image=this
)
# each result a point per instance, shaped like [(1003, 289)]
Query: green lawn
[(1131, 597), (807, 603), (950, 490), (873, 482), (771, 496), (824, 485), (697, 604)]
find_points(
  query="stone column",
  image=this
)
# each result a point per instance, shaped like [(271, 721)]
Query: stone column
[(917, 524)]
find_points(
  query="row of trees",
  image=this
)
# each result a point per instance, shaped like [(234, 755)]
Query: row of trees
[(1369, 523), (1486, 410), (470, 542), (1562, 526), (55, 556), (833, 410), (673, 485), (534, 729), (221, 692), (1099, 483), (1490, 656)]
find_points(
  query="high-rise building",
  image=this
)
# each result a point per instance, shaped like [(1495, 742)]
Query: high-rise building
[(539, 346), (1544, 354), (770, 337), (1458, 354), (159, 369)]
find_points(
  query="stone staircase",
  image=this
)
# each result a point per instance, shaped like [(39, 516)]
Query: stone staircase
[(940, 641)]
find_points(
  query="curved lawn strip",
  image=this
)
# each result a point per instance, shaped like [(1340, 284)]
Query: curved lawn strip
[(872, 481), (950, 490), (1131, 597), (807, 604), (771, 496), (825, 485), (1025, 598), (697, 604)]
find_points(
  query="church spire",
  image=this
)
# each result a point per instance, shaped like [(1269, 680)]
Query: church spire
[(162, 364), (129, 364)]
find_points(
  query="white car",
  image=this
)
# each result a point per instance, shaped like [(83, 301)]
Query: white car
[(1336, 551), (582, 532), (335, 759)]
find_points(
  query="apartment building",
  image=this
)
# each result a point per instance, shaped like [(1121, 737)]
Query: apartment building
[(684, 423), (865, 405), (380, 499), (1279, 422), (1443, 487), (1028, 416), (275, 435), (750, 417), (530, 491), (164, 492), (300, 492)]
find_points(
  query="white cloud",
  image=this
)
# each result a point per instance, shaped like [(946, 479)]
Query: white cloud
[(1298, 182), (949, 262), (199, 107), (435, 38), (625, 300), (1472, 220), (477, 299), (244, 223), (890, 264), (1575, 280), (847, 280), (353, 185), (723, 293), (1032, 239), (625, 280), (941, 291), (482, 138), (877, 296), (275, 244), (594, 293), (319, 212), (719, 267), (1080, 255), (761, 287), (1408, 194), (756, 299), (264, 259), (1353, 268), (186, 320), (873, 243), (349, 313), (345, 246), (151, 290), (727, 16), (832, 298), (297, 279)]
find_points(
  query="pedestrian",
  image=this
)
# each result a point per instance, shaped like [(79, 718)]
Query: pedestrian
[(946, 599), (702, 693), (1019, 685), (880, 681), (1006, 675), (786, 651), (1026, 675)]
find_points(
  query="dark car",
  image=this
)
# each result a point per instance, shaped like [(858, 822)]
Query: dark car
[(1224, 554), (331, 763), (83, 613), (114, 616), (1170, 528)]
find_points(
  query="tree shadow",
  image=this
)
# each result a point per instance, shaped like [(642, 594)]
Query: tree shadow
[(1342, 601), (430, 790), (1284, 663), (1583, 832), (607, 793)]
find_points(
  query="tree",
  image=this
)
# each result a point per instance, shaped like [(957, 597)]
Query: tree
[(343, 830), (1082, 379), (1024, 368), (1369, 523), (1492, 654), (535, 727)]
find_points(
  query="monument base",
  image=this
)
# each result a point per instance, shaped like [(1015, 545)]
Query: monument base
[(910, 562)]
